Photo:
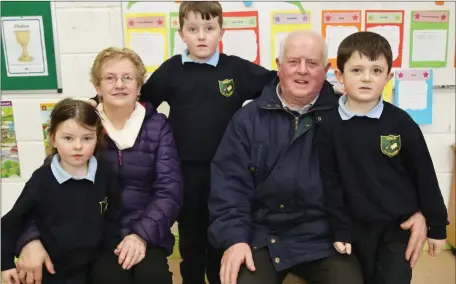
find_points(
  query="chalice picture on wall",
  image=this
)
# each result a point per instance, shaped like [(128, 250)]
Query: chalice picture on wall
[(23, 37), (24, 47)]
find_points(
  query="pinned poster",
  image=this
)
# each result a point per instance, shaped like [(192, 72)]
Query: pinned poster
[(242, 36), (177, 45), (147, 35), (336, 26), (429, 39), (413, 93), (388, 92), (46, 110), (389, 24), (283, 23), (10, 156)]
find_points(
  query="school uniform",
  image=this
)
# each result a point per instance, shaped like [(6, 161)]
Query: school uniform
[(202, 97), (72, 215), (377, 172)]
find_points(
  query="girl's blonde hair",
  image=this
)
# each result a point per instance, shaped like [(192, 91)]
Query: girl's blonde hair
[(82, 112), (116, 53)]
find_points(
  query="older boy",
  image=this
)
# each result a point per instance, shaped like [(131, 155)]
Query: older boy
[(375, 166)]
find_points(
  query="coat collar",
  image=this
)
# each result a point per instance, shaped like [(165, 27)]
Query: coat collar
[(269, 99)]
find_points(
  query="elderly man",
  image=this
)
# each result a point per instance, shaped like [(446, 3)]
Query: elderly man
[(266, 202)]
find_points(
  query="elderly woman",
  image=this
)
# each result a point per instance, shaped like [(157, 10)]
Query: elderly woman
[(140, 147)]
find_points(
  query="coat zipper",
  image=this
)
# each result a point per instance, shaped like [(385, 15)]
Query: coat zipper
[(120, 157)]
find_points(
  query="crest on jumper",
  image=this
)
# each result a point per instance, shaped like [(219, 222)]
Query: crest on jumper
[(226, 87), (390, 145), (103, 206)]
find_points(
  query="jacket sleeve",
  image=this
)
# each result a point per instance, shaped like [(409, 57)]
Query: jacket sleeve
[(232, 189), (255, 77), (112, 235), (13, 222), (332, 189), (418, 162), (154, 90), (162, 211)]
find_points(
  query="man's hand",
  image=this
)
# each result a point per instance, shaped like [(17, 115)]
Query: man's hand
[(10, 276), (343, 247), (92, 103), (417, 226), (435, 246), (30, 263), (131, 251), (232, 259)]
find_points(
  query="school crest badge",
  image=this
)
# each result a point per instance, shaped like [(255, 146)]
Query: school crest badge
[(390, 145), (103, 206), (226, 87)]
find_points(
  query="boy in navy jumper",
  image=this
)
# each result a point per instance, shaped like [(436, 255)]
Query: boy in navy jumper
[(375, 167)]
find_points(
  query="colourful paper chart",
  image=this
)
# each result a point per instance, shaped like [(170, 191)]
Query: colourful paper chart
[(282, 23), (389, 21), (142, 27), (428, 20), (339, 18), (242, 21), (413, 93)]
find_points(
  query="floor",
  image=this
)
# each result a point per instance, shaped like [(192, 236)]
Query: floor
[(429, 270)]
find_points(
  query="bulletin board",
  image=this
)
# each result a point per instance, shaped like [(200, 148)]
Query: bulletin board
[(396, 21), (27, 47)]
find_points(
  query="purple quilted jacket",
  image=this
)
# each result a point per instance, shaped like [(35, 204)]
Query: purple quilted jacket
[(151, 179)]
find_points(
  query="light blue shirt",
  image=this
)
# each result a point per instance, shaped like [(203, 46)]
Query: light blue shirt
[(62, 176), (212, 61), (346, 114)]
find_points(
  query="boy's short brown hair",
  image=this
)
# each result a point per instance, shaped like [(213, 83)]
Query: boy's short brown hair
[(365, 43), (207, 10)]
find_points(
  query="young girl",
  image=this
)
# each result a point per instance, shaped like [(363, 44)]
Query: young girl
[(68, 199)]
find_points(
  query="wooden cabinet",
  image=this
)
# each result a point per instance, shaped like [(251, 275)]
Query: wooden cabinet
[(451, 229)]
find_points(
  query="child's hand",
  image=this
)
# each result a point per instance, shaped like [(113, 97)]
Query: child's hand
[(343, 247), (435, 246), (10, 276)]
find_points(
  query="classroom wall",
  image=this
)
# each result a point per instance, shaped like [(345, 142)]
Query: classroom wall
[(86, 28)]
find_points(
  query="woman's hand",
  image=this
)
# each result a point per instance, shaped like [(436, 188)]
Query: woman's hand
[(131, 251), (30, 263)]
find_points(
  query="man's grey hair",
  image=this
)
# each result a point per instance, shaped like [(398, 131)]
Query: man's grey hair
[(304, 33)]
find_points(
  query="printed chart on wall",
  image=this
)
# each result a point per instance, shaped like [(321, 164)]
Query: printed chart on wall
[(282, 23), (241, 27), (413, 93), (46, 109), (147, 35), (429, 27), (10, 157), (389, 24), (336, 26), (23, 42), (176, 43)]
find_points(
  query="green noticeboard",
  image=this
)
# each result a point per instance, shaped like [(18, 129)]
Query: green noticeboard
[(28, 55)]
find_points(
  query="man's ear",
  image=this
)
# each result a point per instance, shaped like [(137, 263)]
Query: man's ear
[(339, 76), (327, 66)]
